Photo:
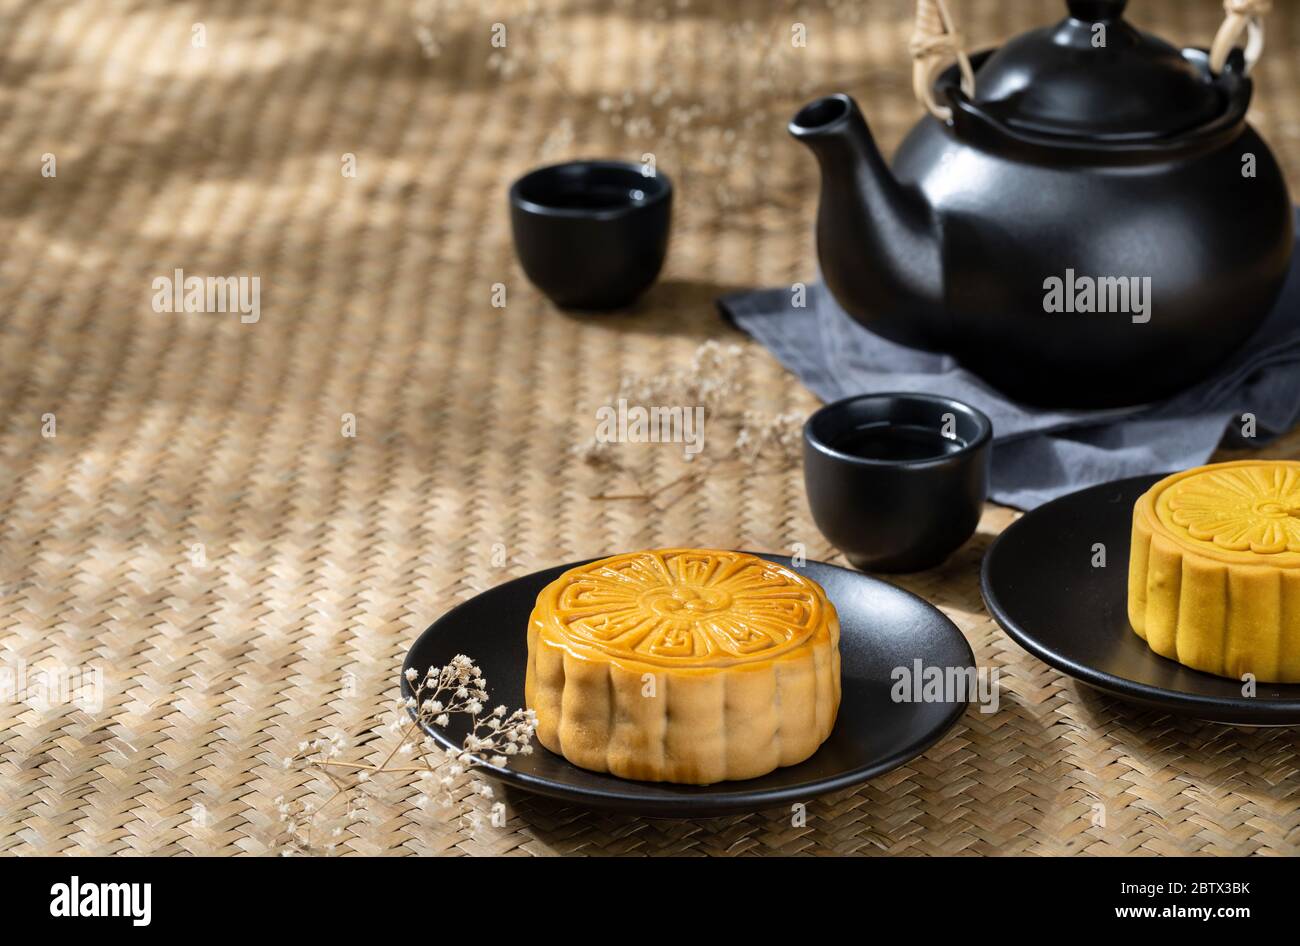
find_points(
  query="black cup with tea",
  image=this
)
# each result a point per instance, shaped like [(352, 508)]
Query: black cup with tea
[(591, 234), (897, 482)]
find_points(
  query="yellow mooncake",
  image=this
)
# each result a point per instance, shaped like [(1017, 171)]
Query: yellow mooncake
[(683, 665), (1214, 578)]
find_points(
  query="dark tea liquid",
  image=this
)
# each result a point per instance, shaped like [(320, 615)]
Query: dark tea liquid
[(896, 442), (598, 197)]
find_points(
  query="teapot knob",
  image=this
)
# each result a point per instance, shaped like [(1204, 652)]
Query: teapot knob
[(1094, 10)]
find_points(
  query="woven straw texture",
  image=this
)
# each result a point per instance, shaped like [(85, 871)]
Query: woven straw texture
[(247, 577)]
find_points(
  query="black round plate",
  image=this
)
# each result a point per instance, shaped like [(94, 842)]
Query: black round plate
[(881, 628), (1040, 586)]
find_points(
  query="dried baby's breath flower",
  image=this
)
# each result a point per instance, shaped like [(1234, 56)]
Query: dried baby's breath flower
[(712, 380), (777, 434), (459, 687)]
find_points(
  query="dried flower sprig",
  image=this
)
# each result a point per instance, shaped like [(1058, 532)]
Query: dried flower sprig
[(759, 441), (710, 380), (773, 435), (494, 737)]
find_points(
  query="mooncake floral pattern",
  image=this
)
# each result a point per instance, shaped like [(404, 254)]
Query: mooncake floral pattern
[(689, 606), (1252, 508)]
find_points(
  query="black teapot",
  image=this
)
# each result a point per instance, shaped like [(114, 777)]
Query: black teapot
[(1084, 220)]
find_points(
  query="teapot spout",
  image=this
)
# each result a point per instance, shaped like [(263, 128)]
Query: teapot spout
[(878, 241)]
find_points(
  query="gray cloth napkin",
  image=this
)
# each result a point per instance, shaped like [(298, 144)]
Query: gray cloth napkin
[(1040, 454)]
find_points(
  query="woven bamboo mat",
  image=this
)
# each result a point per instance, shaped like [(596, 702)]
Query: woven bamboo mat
[(247, 577)]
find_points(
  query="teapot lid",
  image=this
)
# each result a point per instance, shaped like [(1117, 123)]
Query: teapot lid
[(1093, 75)]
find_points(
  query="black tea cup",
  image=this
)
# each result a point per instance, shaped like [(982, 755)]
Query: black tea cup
[(897, 482), (591, 234)]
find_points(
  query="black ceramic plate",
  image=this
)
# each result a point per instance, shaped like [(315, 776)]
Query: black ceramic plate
[(1039, 584), (881, 627)]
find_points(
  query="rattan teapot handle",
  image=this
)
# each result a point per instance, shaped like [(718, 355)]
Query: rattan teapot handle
[(1244, 17), (935, 42)]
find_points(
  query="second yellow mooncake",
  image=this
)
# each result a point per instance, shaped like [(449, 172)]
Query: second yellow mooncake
[(1214, 577)]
